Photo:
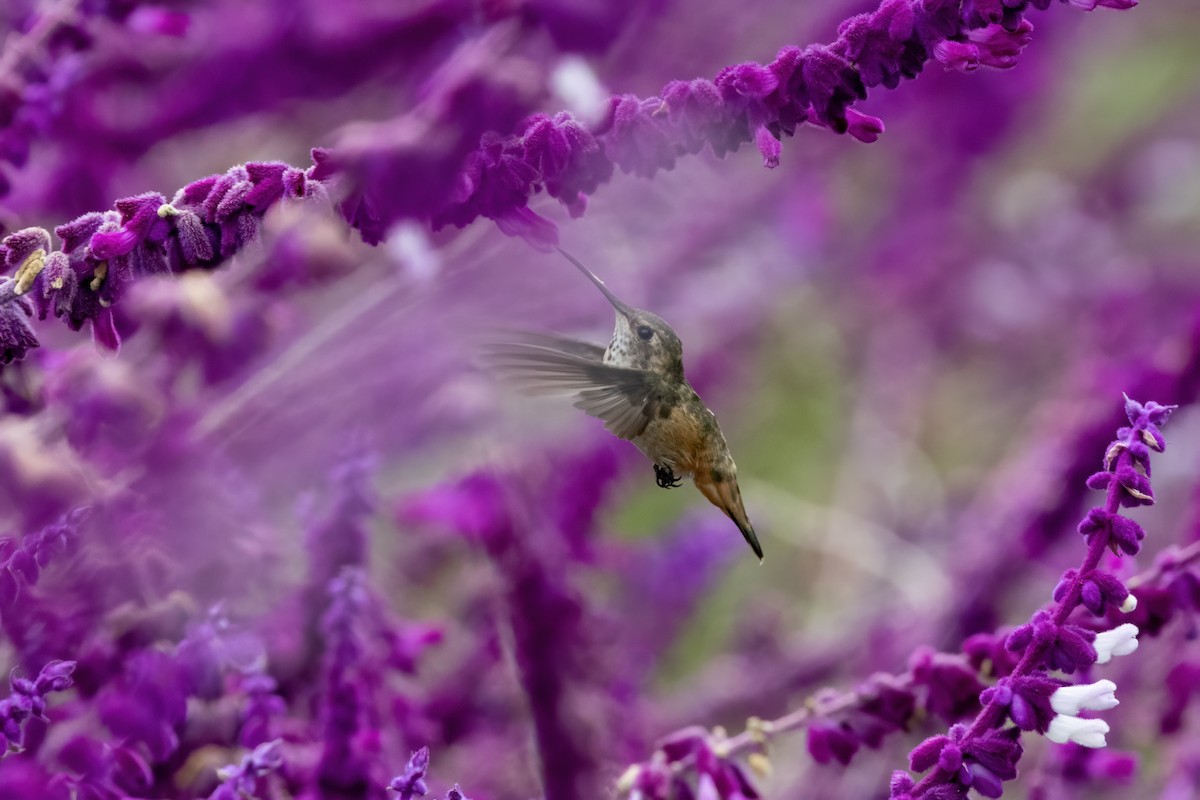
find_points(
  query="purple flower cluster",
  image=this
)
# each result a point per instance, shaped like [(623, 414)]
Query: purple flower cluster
[(21, 562), (38, 67), (994, 681), (543, 613), (985, 754), (247, 778), (750, 102), (343, 765), (410, 784), (102, 254), (212, 218), (28, 700), (717, 775)]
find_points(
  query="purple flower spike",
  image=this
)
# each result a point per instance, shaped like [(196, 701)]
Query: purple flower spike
[(247, 779), (984, 755), (28, 700), (263, 709), (411, 783), (344, 762)]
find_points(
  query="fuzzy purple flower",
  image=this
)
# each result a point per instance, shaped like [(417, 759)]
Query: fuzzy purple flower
[(344, 764), (951, 688), (246, 779), (981, 763), (411, 783), (28, 700), (1027, 699)]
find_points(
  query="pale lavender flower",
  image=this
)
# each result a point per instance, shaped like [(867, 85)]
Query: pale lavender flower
[(246, 778), (28, 700), (411, 783)]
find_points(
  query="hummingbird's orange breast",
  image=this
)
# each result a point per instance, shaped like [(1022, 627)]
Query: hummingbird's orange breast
[(687, 439)]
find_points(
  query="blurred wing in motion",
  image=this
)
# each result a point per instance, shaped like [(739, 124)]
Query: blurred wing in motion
[(626, 399)]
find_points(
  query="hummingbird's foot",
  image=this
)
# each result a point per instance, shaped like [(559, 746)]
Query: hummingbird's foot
[(666, 477)]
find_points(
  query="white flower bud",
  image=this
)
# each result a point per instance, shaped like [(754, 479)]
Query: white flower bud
[(1098, 696), (578, 86), (628, 779), (1130, 604), (1120, 641), (1085, 732)]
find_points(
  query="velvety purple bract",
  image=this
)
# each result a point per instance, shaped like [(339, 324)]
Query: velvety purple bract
[(16, 335), (28, 700), (829, 743)]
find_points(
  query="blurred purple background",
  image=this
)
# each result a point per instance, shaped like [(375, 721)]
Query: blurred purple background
[(297, 510)]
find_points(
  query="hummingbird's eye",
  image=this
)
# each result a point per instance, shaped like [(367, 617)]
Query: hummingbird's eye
[(645, 332)]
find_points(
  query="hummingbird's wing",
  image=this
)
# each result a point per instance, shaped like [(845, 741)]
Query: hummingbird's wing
[(626, 399)]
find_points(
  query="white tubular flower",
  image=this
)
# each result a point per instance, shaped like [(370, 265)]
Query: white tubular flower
[(1120, 641), (1098, 696), (1085, 732)]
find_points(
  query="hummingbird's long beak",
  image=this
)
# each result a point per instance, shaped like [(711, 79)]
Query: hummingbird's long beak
[(612, 298)]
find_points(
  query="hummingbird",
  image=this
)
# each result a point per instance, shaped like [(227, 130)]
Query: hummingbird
[(637, 387)]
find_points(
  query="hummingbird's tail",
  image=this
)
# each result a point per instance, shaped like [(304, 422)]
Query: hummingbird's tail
[(722, 491)]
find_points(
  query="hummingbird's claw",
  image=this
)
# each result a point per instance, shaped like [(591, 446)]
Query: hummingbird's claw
[(666, 477)]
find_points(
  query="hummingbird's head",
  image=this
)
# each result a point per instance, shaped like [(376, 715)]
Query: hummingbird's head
[(640, 340), (643, 340)]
